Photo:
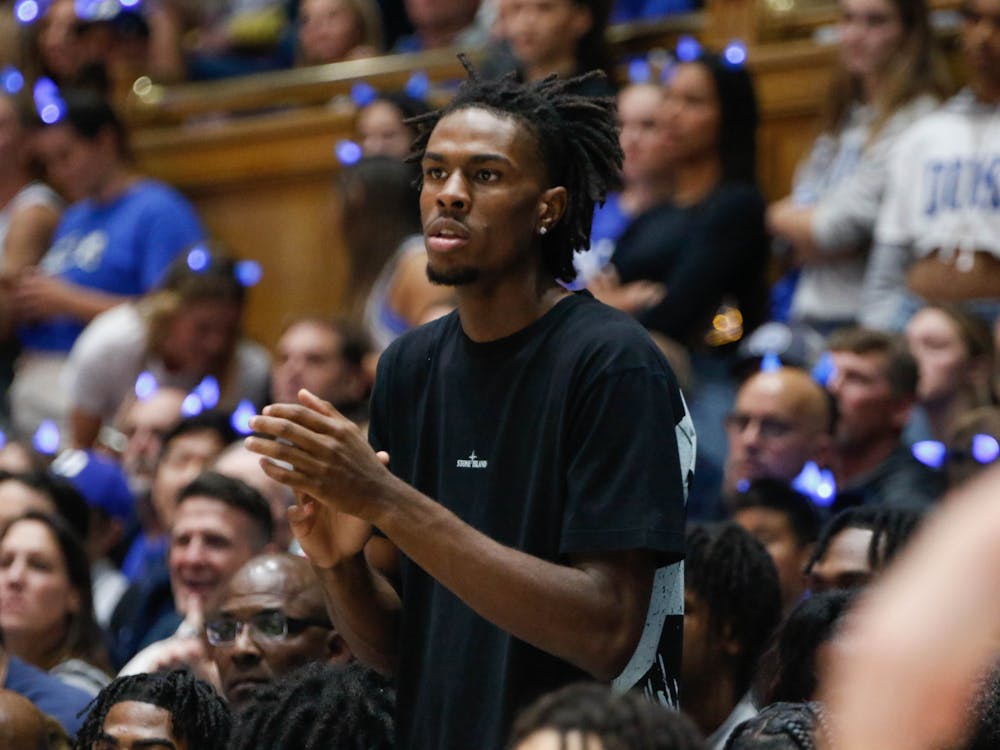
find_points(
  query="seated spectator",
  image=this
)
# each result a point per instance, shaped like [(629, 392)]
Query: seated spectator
[(141, 427), (317, 707), (780, 420), (789, 668), (557, 37), (175, 710), (101, 482), (219, 524), (588, 715), (187, 330), (269, 619), (335, 30), (437, 24), (875, 386), (66, 704), (857, 544), (40, 491), (646, 179), (732, 604), (326, 357), (382, 128), (937, 234), (707, 241), (889, 75), (22, 725), (787, 524), (954, 353), (383, 234), (115, 242), (29, 212), (46, 602)]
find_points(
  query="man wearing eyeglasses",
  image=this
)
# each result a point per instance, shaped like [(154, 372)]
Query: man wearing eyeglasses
[(781, 420), (269, 620)]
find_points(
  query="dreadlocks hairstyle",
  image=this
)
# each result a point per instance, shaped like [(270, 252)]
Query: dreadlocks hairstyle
[(732, 573), (317, 707), (602, 719), (891, 529), (577, 138), (198, 714)]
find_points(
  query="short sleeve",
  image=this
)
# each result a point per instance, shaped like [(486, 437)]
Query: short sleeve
[(172, 227), (626, 485)]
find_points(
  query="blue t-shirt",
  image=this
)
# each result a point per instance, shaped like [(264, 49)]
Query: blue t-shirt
[(122, 247), (51, 696), (631, 10)]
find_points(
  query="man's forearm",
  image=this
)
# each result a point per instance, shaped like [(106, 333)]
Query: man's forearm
[(590, 613), (365, 609)]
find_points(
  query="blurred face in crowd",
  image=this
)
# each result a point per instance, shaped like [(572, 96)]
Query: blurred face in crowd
[(77, 166), (59, 43), (941, 354), (871, 33), (545, 32), (269, 595), (237, 462), (144, 424), (381, 131), (209, 542), (328, 30), (981, 43), (550, 739), (867, 409), (777, 424), (17, 498), (201, 335), (690, 115), (773, 529), (310, 355), (133, 725), (182, 460), (638, 109), (845, 564), (36, 595), (436, 16)]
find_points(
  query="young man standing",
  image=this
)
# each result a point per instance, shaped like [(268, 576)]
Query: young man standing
[(538, 444)]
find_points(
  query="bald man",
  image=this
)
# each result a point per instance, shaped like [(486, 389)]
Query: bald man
[(270, 619), (781, 420), (22, 725)]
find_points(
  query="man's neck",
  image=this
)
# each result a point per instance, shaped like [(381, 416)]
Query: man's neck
[(711, 707), (494, 311), (119, 178), (857, 460)]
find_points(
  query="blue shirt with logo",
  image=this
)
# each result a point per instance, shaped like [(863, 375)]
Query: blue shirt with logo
[(122, 247)]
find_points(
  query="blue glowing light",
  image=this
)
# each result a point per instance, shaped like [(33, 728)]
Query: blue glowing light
[(249, 273), (817, 484), (824, 369), (27, 11), (145, 385), (207, 392), (770, 362), (418, 85), (742, 485), (240, 420), (735, 53), (48, 102), (985, 448), (3, 439), (688, 49), (129, 3), (930, 453), (639, 71), (198, 259), (46, 439), (348, 152), (50, 113), (191, 406), (363, 94), (11, 80)]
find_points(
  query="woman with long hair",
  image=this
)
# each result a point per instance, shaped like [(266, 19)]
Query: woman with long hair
[(46, 608), (889, 75)]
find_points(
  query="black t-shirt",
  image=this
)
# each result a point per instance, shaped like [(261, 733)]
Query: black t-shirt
[(557, 440), (704, 253)]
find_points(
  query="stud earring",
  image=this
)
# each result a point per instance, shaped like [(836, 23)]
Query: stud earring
[(543, 230)]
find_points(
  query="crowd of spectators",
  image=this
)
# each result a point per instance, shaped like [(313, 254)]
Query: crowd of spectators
[(836, 350)]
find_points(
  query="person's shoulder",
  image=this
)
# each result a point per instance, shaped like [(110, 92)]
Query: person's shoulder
[(50, 694), (150, 194), (931, 125), (605, 336), (734, 195)]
